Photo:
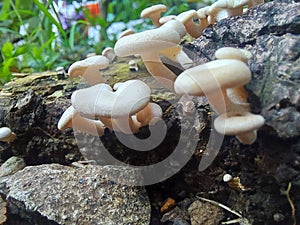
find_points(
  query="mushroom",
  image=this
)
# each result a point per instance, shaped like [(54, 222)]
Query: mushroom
[(212, 79), (233, 53), (125, 33), (192, 28), (226, 8), (167, 18), (89, 69), (113, 108), (243, 125), (133, 66), (237, 95), (203, 17), (71, 119), (154, 12), (109, 53), (6, 135), (151, 114), (149, 44)]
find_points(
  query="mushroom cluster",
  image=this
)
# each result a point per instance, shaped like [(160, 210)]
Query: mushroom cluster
[(221, 81), (121, 109), (118, 109), (195, 21)]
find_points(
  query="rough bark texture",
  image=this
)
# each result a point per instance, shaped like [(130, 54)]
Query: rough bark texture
[(32, 105)]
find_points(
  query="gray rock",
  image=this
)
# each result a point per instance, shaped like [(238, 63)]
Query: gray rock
[(12, 165), (270, 32), (69, 196)]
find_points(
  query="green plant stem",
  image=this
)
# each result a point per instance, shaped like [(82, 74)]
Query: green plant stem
[(52, 19)]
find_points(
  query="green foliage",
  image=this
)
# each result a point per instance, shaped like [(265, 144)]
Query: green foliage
[(39, 48)]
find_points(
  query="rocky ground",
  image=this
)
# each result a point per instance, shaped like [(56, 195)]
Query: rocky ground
[(266, 174)]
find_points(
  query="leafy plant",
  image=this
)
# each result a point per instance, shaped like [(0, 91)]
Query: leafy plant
[(33, 39)]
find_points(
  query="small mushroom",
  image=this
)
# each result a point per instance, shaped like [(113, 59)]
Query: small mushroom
[(167, 18), (192, 28), (243, 125), (203, 17), (149, 44), (154, 13), (133, 66), (237, 95), (113, 108), (71, 119), (226, 8), (109, 53), (89, 69), (6, 135)]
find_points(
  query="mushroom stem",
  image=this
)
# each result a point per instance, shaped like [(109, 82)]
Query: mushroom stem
[(126, 125), (247, 138), (158, 70), (72, 119), (93, 127), (177, 54)]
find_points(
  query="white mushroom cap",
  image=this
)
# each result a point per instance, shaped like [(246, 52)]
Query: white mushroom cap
[(100, 100), (233, 53), (6, 135), (167, 18), (126, 33), (89, 69), (109, 53), (148, 41), (243, 125), (71, 119), (154, 12), (150, 114), (212, 76)]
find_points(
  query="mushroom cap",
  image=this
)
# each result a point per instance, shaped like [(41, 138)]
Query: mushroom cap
[(214, 75), (87, 65), (65, 120), (233, 53), (167, 18), (126, 32), (187, 16), (109, 53), (159, 8), (237, 123), (100, 100), (6, 134), (203, 12), (226, 4), (148, 41)]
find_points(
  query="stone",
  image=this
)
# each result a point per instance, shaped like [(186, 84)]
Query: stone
[(205, 213), (69, 196), (12, 165)]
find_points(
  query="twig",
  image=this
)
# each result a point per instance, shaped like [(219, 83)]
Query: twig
[(241, 220), (287, 194)]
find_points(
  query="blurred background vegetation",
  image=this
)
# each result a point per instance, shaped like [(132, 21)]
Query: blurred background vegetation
[(39, 35)]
